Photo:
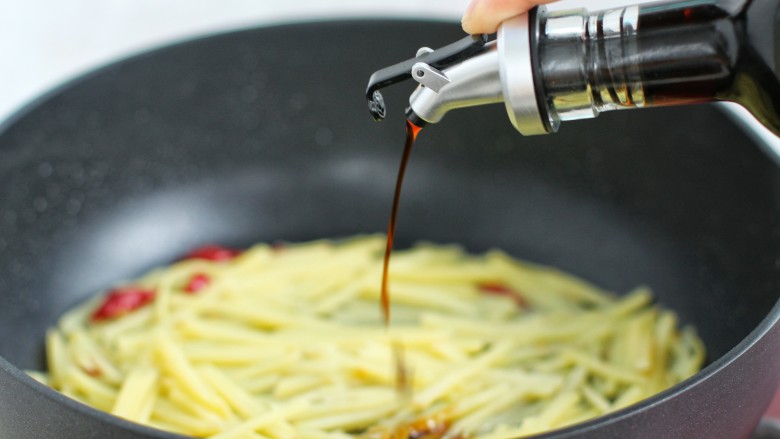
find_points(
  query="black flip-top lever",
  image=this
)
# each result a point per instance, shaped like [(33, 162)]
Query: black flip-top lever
[(438, 59)]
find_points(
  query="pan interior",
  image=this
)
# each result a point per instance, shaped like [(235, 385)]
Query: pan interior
[(263, 135)]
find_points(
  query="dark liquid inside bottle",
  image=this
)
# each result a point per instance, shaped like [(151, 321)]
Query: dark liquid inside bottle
[(704, 51), (675, 53)]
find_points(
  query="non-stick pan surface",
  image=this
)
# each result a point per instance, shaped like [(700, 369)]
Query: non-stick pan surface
[(263, 135)]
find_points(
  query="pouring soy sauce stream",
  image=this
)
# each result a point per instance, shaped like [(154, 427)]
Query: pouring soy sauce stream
[(403, 379), (383, 78), (412, 131)]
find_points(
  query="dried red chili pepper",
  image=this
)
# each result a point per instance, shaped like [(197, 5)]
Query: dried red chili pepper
[(500, 289), (93, 372), (213, 253), (121, 301), (435, 426), (278, 246), (197, 282)]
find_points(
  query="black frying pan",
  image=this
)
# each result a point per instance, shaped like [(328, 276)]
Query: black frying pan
[(263, 135)]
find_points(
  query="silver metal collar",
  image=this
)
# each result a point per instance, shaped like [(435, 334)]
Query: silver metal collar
[(517, 79)]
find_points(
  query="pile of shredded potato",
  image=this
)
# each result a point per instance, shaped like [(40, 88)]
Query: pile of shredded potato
[(288, 342)]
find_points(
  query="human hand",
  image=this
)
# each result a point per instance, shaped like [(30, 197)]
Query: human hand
[(484, 16)]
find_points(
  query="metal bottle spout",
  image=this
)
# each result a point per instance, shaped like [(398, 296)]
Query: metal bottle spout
[(472, 81), (473, 71), (427, 65)]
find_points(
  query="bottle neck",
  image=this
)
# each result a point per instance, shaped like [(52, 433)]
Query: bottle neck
[(655, 55)]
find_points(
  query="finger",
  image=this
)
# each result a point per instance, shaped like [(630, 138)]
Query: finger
[(484, 16)]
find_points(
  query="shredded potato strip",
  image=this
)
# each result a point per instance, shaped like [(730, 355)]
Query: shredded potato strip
[(288, 342)]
